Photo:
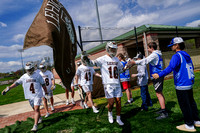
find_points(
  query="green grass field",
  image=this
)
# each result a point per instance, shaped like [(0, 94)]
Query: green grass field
[(136, 121)]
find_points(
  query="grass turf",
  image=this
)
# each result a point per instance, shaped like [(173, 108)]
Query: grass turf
[(136, 121)]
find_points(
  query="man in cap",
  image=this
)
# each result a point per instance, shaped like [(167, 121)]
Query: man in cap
[(183, 72)]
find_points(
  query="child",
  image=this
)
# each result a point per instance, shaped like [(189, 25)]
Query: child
[(155, 65), (142, 81), (183, 71), (125, 78)]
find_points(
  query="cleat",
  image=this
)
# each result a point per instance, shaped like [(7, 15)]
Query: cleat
[(47, 115), (40, 120), (52, 108), (127, 103), (120, 122), (86, 106), (110, 117), (34, 128), (67, 102), (95, 110), (73, 102)]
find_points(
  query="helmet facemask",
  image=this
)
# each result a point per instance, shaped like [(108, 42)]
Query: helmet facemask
[(29, 68), (43, 68), (111, 49)]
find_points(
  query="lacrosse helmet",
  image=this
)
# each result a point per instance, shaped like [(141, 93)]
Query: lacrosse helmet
[(43, 67), (78, 63), (29, 68), (111, 48)]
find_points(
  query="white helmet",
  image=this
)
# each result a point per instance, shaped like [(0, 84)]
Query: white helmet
[(29, 68), (78, 63), (42, 67), (111, 48)]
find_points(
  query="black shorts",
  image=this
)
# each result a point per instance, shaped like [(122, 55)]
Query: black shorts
[(158, 84)]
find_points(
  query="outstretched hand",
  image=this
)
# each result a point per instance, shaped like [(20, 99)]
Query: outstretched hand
[(5, 91), (155, 76)]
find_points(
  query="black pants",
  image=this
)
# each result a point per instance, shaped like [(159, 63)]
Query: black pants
[(188, 106)]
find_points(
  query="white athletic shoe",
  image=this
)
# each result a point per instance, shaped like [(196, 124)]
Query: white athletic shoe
[(52, 108), (40, 120), (34, 128), (120, 122), (110, 117), (72, 100), (197, 123), (67, 102), (95, 110), (86, 106), (47, 115)]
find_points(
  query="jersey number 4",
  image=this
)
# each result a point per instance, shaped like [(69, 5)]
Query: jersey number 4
[(32, 89), (113, 72)]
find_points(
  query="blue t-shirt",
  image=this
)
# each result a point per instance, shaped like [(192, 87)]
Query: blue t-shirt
[(126, 75)]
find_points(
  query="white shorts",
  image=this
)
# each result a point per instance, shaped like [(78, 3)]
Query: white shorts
[(35, 101), (50, 93), (87, 88), (112, 91)]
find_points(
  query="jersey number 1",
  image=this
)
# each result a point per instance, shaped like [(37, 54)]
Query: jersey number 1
[(113, 72)]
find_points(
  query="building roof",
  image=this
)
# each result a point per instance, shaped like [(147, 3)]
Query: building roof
[(140, 30)]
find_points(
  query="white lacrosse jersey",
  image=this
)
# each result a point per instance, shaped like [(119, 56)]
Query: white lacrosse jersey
[(86, 74), (47, 76), (110, 67), (32, 85)]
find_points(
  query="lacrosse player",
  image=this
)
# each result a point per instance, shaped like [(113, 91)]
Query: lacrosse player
[(85, 73), (125, 78), (183, 71), (50, 84), (110, 67), (155, 62), (72, 88), (32, 83)]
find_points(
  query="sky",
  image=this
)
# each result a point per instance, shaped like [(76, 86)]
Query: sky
[(116, 17)]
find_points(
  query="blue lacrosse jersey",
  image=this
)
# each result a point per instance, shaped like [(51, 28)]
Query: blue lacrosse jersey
[(184, 78), (156, 68)]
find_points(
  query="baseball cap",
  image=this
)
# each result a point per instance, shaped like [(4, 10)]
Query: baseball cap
[(175, 40), (139, 55)]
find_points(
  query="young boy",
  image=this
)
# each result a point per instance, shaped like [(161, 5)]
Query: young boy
[(155, 66), (32, 83), (125, 79), (183, 71), (85, 73), (142, 81), (50, 84), (110, 67)]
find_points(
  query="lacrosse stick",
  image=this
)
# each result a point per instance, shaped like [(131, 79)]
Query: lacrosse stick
[(82, 100)]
